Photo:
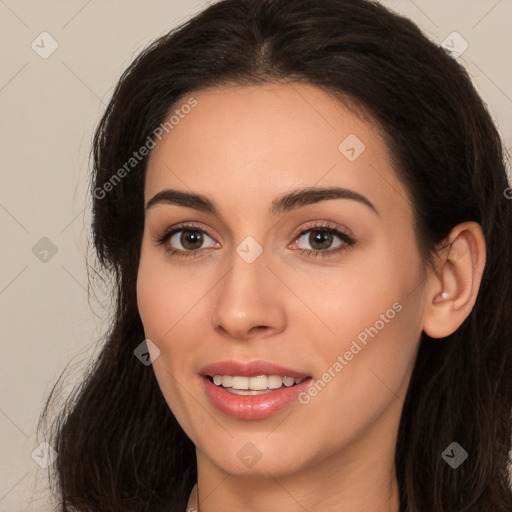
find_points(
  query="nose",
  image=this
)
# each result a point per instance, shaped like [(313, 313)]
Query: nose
[(248, 303)]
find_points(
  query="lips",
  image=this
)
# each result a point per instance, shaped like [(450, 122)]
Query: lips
[(250, 369), (258, 404)]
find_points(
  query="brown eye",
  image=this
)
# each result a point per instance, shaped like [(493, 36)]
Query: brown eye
[(184, 240), (191, 240), (321, 239)]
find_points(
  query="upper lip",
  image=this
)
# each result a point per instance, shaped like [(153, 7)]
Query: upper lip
[(250, 369)]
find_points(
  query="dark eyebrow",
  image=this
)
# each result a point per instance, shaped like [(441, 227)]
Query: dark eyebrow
[(286, 202)]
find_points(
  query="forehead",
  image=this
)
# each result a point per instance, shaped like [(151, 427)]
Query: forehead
[(245, 143)]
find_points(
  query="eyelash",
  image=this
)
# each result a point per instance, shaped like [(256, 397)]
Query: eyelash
[(348, 241)]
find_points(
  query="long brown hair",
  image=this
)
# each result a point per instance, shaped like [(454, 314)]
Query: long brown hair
[(119, 445)]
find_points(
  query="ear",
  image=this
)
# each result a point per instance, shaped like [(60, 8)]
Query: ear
[(453, 287)]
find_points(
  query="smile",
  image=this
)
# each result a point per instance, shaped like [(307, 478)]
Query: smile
[(258, 385)]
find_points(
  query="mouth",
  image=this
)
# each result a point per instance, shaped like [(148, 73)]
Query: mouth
[(255, 396), (252, 390)]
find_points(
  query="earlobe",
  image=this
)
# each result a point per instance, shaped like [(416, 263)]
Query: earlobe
[(454, 286)]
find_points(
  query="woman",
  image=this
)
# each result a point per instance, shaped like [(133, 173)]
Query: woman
[(304, 208)]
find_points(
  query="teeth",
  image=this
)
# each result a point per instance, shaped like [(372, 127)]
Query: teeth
[(240, 383), (288, 381), (259, 383), (274, 381), (227, 381)]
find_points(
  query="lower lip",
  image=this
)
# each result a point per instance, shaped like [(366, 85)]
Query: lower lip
[(253, 407)]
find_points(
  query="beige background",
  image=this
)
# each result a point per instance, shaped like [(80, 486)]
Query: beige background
[(49, 110)]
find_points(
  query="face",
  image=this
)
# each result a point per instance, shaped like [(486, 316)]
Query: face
[(322, 286)]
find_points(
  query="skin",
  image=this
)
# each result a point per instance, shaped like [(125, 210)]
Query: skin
[(242, 147)]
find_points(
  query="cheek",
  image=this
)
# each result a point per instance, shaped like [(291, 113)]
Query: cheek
[(161, 309), (366, 290), (151, 302), (370, 377), (162, 296), (371, 311), (169, 303), (157, 300)]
